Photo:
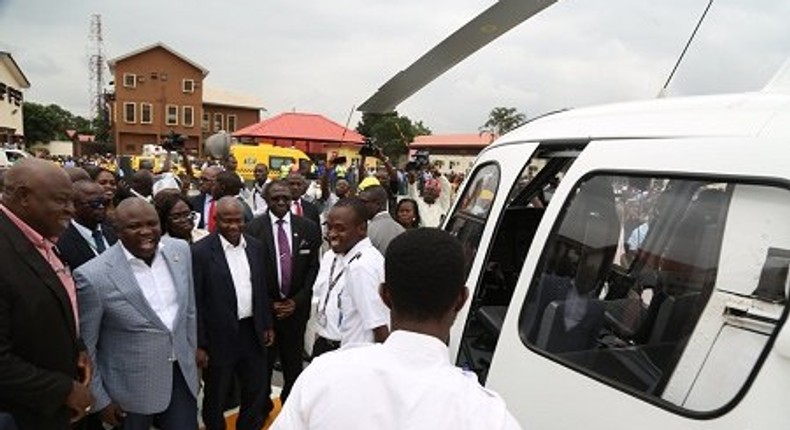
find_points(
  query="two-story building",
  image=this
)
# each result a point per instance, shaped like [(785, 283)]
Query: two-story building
[(158, 90), (12, 82)]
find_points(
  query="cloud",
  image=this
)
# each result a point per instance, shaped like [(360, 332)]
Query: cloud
[(327, 56)]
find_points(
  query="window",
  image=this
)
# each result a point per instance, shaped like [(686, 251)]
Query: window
[(206, 122), (231, 123), (172, 115), (630, 289), (188, 86), (129, 80), (217, 122), (469, 218), (129, 113), (188, 113), (146, 113), (154, 76)]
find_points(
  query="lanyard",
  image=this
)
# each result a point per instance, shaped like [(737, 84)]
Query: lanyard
[(334, 279)]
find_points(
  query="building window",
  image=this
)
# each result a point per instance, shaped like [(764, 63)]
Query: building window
[(217, 122), (188, 86), (129, 113), (154, 75), (188, 113), (231, 123), (129, 80), (206, 123), (146, 113), (172, 115)]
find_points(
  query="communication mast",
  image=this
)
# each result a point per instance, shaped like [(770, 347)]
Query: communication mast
[(96, 69)]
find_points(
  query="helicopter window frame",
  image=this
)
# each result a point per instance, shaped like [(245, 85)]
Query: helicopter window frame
[(656, 400)]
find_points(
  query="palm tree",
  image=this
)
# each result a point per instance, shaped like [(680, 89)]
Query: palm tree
[(502, 120)]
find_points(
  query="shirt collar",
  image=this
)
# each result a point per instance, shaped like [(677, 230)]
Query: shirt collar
[(418, 343), (82, 229), (286, 218), (130, 257), (30, 233), (227, 245), (356, 249)]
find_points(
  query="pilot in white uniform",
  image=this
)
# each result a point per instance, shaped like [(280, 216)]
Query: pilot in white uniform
[(348, 307), (408, 381)]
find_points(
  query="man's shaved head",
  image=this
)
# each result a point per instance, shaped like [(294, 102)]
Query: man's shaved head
[(40, 193), (77, 174)]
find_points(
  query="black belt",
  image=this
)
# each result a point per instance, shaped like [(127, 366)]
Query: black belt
[(330, 342)]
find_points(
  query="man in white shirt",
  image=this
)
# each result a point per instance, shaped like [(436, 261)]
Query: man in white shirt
[(258, 194), (348, 307), (411, 370)]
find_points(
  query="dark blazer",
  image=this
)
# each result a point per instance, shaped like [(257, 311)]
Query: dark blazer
[(310, 211), (75, 250), (38, 340), (306, 239), (197, 203), (215, 296)]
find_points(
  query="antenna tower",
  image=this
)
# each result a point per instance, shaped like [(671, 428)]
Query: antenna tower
[(96, 69)]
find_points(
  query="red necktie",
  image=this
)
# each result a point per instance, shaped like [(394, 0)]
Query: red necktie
[(298, 208), (212, 209)]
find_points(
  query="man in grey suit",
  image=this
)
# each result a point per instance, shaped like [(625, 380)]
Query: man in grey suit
[(382, 228), (137, 318)]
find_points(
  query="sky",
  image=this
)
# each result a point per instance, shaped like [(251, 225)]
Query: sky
[(327, 57)]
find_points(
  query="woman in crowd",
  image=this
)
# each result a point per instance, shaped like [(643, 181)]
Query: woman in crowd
[(176, 217), (106, 179), (407, 213)]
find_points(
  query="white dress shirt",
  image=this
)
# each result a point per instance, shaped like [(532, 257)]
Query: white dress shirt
[(157, 285), (406, 383), (287, 227), (239, 266), (353, 307), (257, 201), (87, 234)]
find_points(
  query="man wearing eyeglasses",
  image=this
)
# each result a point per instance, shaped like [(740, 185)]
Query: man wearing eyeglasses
[(88, 233)]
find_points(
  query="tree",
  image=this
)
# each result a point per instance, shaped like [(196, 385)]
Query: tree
[(502, 120), (46, 123), (391, 132)]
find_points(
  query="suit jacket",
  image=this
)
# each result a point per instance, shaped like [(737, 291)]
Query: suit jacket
[(215, 295), (75, 250), (306, 240), (310, 211), (38, 340), (134, 366)]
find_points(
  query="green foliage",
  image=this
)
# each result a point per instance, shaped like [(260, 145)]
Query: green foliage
[(502, 120), (391, 132), (46, 123)]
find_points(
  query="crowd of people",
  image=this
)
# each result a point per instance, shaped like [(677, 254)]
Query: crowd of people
[(121, 293)]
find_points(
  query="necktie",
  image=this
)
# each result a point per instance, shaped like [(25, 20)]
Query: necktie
[(212, 209), (98, 238), (298, 207), (285, 259)]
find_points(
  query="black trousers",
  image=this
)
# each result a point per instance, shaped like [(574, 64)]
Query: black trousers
[(289, 346), (250, 370)]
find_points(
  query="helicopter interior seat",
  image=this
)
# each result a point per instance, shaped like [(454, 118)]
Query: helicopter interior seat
[(686, 277), (580, 259)]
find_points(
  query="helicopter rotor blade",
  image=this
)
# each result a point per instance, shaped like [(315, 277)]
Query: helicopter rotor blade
[(477, 33)]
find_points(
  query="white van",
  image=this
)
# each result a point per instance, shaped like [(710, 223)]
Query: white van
[(629, 266)]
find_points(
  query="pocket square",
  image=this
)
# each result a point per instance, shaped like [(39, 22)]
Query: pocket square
[(304, 252)]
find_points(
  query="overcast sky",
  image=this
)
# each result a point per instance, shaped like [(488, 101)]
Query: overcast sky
[(326, 56)]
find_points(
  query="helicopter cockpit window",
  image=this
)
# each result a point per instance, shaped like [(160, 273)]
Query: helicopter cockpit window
[(654, 285)]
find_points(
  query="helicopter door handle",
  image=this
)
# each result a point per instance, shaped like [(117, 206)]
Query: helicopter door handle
[(749, 314)]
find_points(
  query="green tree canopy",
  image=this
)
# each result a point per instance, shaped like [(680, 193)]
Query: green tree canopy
[(391, 132), (46, 123), (502, 120)]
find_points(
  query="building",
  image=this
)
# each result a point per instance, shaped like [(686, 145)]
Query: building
[(12, 82), (452, 152), (313, 134), (158, 90)]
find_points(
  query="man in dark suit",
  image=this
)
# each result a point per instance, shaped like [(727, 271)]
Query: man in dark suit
[(201, 203), (290, 262), (234, 319), (44, 371), (88, 234), (300, 206)]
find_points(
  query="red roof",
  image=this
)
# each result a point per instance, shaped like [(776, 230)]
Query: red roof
[(303, 126), (448, 141)]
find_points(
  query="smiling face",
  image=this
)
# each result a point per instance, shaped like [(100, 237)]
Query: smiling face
[(138, 227), (278, 197), (180, 220), (107, 182), (344, 229)]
